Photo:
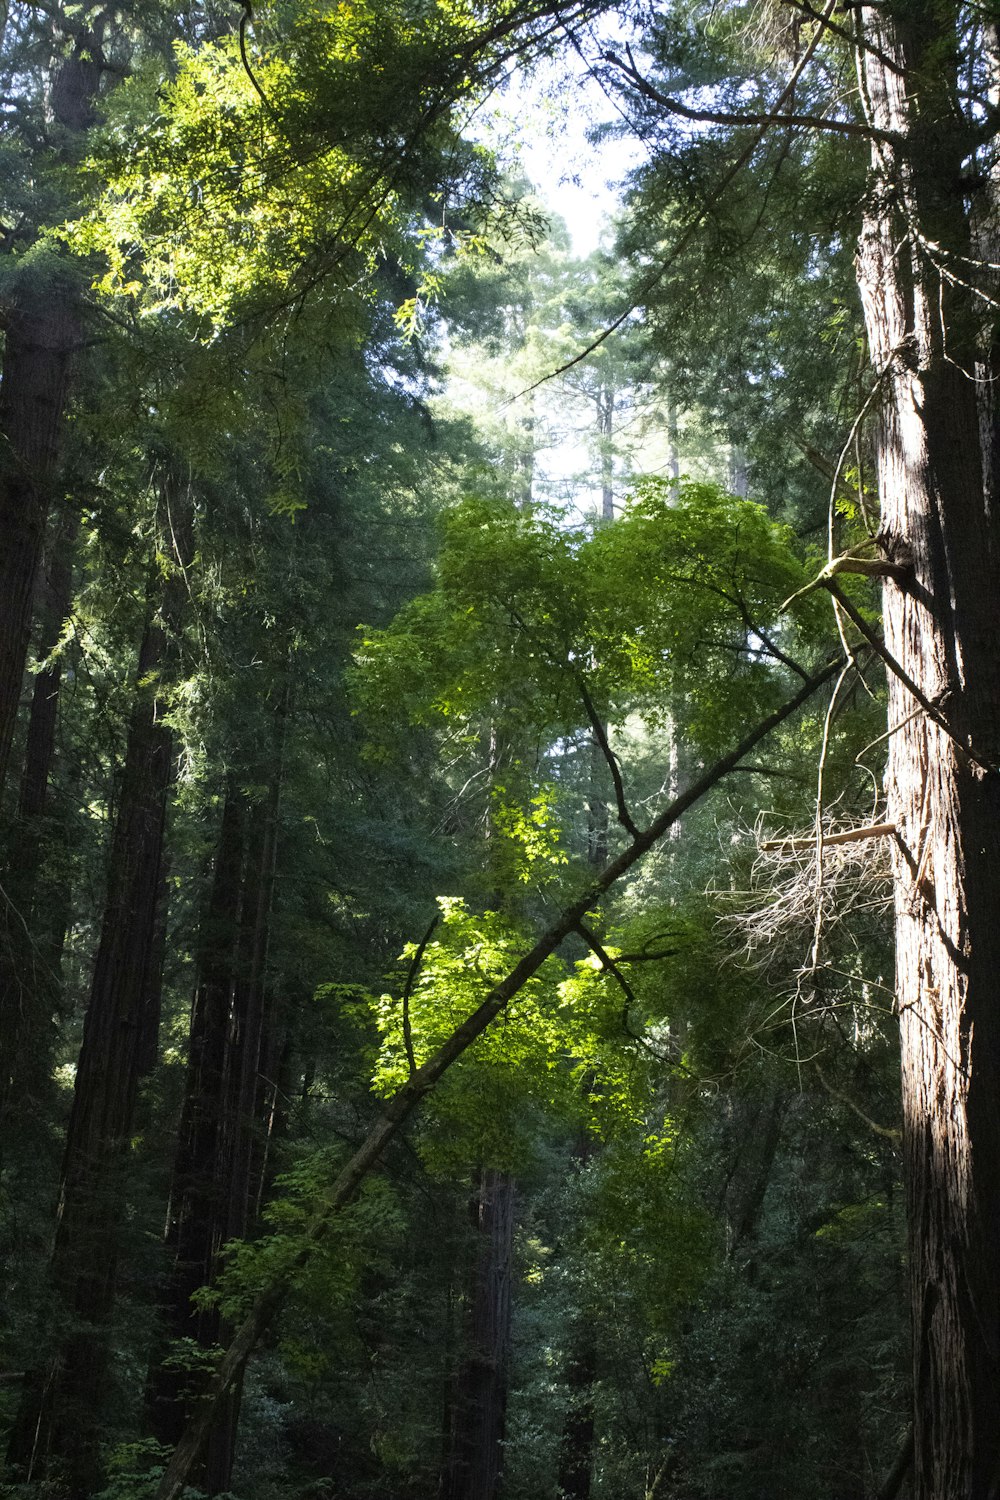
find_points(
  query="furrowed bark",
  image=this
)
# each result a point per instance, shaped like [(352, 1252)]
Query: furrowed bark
[(400, 1106), (939, 515)]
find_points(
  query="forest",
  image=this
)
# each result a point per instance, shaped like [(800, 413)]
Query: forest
[(499, 751)]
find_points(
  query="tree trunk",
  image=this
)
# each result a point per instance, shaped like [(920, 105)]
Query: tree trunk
[(29, 948), (58, 1426), (198, 1190), (478, 1415), (943, 630), (41, 331), (229, 1108), (606, 437)]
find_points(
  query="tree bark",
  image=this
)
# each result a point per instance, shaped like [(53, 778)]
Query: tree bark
[(198, 1189), (943, 630), (220, 1163)]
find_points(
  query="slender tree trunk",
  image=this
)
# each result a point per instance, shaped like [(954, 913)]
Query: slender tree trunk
[(606, 434), (229, 1107), (28, 948), (475, 1455), (199, 1187), (943, 629), (576, 1447)]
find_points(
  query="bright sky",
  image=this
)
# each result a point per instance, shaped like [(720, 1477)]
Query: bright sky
[(550, 114)]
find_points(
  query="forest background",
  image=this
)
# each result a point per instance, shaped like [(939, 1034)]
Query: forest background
[(452, 1013)]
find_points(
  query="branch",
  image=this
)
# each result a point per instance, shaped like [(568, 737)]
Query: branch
[(725, 117), (397, 1109), (899, 1470), (624, 816), (408, 991), (900, 672), (695, 223), (244, 18), (849, 562), (892, 1132), (848, 836), (610, 965)]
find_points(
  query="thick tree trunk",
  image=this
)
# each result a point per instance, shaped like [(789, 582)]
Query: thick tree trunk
[(475, 1452), (39, 337), (943, 630), (58, 1427), (41, 331)]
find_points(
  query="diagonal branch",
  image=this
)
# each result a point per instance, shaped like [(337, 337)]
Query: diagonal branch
[(899, 671), (408, 991), (397, 1109), (600, 735)]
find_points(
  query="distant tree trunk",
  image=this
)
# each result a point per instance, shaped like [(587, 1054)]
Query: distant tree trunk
[(58, 1427), (940, 519), (755, 1129), (606, 434), (478, 1415), (41, 331), (576, 1447), (673, 438), (28, 947), (739, 479), (229, 1109), (198, 1189)]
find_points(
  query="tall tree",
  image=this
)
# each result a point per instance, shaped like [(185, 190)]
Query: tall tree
[(940, 538)]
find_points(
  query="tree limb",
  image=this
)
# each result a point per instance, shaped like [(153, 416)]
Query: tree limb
[(892, 1132), (726, 117), (408, 991), (694, 223), (898, 671), (600, 735), (846, 836)]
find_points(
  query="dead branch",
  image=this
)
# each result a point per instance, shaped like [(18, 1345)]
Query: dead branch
[(845, 836)]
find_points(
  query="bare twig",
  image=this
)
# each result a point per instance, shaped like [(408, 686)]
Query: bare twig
[(891, 1132)]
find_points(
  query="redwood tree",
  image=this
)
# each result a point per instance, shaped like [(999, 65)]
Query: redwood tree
[(925, 303)]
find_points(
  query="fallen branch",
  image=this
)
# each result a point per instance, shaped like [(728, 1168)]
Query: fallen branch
[(400, 1106), (847, 836)]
